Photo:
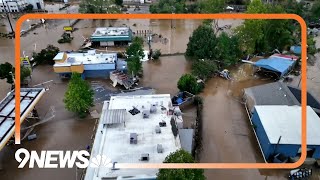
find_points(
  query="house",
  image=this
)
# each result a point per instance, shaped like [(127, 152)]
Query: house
[(90, 64), (133, 129), (278, 131), (19, 5), (111, 36)]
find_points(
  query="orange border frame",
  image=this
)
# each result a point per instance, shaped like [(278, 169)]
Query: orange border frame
[(179, 16)]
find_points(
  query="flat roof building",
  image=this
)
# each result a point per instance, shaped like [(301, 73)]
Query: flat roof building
[(134, 129), (111, 36), (28, 99), (278, 130), (89, 64)]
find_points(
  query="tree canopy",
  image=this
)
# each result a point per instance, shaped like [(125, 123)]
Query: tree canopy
[(204, 69), (202, 43), (180, 156), (188, 82), (46, 55), (99, 6), (79, 95), (6, 72), (135, 54), (263, 36)]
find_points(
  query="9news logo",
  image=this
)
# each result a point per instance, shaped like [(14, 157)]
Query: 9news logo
[(49, 159)]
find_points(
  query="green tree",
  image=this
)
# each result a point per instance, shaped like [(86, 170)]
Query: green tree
[(119, 2), (188, 82), (46, 55), (138, 40), (98, 6), (135, 49), (204, 69), (24, 73), (6, 72), (212, 6), (263, 36), (228, 49), (134, 65), (202, 43), (29, 8), (180, 156), (315, 10), (79, 96)]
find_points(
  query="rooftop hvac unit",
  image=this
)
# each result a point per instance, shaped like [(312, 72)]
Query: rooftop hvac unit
[(159, 148), (133, 138), (153, 109), (144, 157), (145, 114), (162, 124), (158, 130)]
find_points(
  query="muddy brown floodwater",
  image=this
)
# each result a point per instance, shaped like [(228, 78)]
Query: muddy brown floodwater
[(227, 135)]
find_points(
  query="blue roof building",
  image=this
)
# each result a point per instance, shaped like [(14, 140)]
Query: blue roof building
[(278, 131), (277, 63)]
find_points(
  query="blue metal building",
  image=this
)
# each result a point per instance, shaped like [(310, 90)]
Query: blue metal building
[(280, 64), (278, 131)]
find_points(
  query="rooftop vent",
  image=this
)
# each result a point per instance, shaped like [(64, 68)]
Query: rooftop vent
[(162, 124), (153, 109), (145, 114), (159, 148), (133, 138), (144, 157), (158, 130)]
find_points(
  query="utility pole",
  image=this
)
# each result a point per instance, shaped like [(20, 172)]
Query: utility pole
[(5, 9)]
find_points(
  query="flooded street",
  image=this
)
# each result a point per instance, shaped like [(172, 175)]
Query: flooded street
[(227, 134)]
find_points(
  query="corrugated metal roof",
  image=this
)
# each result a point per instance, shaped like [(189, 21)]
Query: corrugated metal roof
[(278, 63), (186, 139), (285, 121), (114, 116)]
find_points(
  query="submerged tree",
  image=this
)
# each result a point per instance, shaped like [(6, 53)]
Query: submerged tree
[(79, 96), (6, 72), (180, 156), (46, 55), (188, 82)]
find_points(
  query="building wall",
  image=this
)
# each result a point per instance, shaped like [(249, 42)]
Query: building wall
[(262, 136), (106, 66), (19, 5), (97, 73), (13, 6), (290, 150)]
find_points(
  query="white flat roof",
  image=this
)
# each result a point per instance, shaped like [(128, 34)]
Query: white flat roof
[(28, 99), (113, 141), (285, 121), (91, 57), (111, 31)]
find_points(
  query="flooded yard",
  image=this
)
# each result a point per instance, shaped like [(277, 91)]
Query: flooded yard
[(227, 134)]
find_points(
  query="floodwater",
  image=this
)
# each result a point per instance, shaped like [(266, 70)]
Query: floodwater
[(227, 135)]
